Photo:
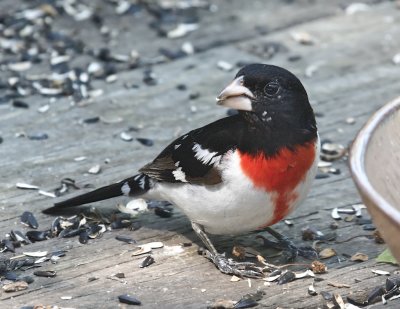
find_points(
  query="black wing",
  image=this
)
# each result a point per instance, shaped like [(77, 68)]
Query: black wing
[(194, 156)]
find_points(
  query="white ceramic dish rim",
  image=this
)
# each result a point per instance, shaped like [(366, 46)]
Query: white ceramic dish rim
[(357, 160)]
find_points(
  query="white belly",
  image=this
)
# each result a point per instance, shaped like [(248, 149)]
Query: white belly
[(233, 207)]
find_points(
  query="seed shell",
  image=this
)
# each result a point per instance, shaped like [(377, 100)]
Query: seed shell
[(45, 273), (147, 261), (128, 299), (29, 219)]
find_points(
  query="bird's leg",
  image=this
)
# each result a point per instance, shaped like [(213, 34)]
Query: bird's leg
[(224, 264), (285, 244)]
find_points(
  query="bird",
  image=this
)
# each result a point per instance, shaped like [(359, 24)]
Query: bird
[(238, 174)]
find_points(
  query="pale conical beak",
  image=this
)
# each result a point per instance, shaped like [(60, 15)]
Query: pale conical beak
[(236, 96)]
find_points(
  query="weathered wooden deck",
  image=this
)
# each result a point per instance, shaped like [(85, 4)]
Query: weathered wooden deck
[(352, 75)]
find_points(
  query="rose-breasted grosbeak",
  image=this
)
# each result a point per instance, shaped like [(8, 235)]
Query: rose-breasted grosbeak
[(240, 173)]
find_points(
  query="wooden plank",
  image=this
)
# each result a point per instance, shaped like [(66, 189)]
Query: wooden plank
[(354, 78)]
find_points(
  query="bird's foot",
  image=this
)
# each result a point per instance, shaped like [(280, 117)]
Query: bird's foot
[(231, 267), (290, 250)]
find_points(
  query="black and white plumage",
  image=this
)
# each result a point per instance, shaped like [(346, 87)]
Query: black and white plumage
[(239, 173)]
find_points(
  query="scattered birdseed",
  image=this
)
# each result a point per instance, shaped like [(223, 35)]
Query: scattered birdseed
[(225, 66), (45, 273), (111, 120), (20, 104), (188, 48), (15, 286), (163, 212), (134, 207), (378, 237), (288, 222), (249, 300), (338, 301), (150, 78), (312, 291), (239, 252), (78, 159), (318, 267), (38, 136), (29, 219), (380, 272), (43, 109), (182, 30), (126, 137), (126, 239), (359, 257), (37, 235), (235, 279), (95, 169), (35, 253), (128, 299), (147, 261), (21, 185), (111, 78), (331, 151), (45, 193), (91, 120), (327, 253), (145, 141), (303, 37)]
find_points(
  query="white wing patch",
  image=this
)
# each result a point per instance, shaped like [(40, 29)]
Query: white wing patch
[(204, 155), (125, 189), (179, 175)]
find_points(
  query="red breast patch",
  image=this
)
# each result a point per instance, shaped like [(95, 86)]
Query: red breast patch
[(280, 174)]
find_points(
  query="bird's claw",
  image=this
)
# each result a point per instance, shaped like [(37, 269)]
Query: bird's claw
[(231, 267)]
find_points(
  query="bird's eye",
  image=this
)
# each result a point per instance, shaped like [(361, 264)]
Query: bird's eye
[(271, 88)]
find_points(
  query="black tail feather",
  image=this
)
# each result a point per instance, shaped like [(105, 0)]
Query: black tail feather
[(135, 185)]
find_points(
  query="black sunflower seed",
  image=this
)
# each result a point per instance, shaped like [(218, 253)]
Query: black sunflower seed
[(7, 245), (326, 295), (147, 261), (128, 299), (126, 239), (84, 237), (245, 303), (145, 141), (38, 136), (91, 120), (45, 273), (67, 233), (286, 277), (249, 300), (20, 104), (163, 212), (120, 223), (181, 87), (37, 235), (29, 219), (18, 236)]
